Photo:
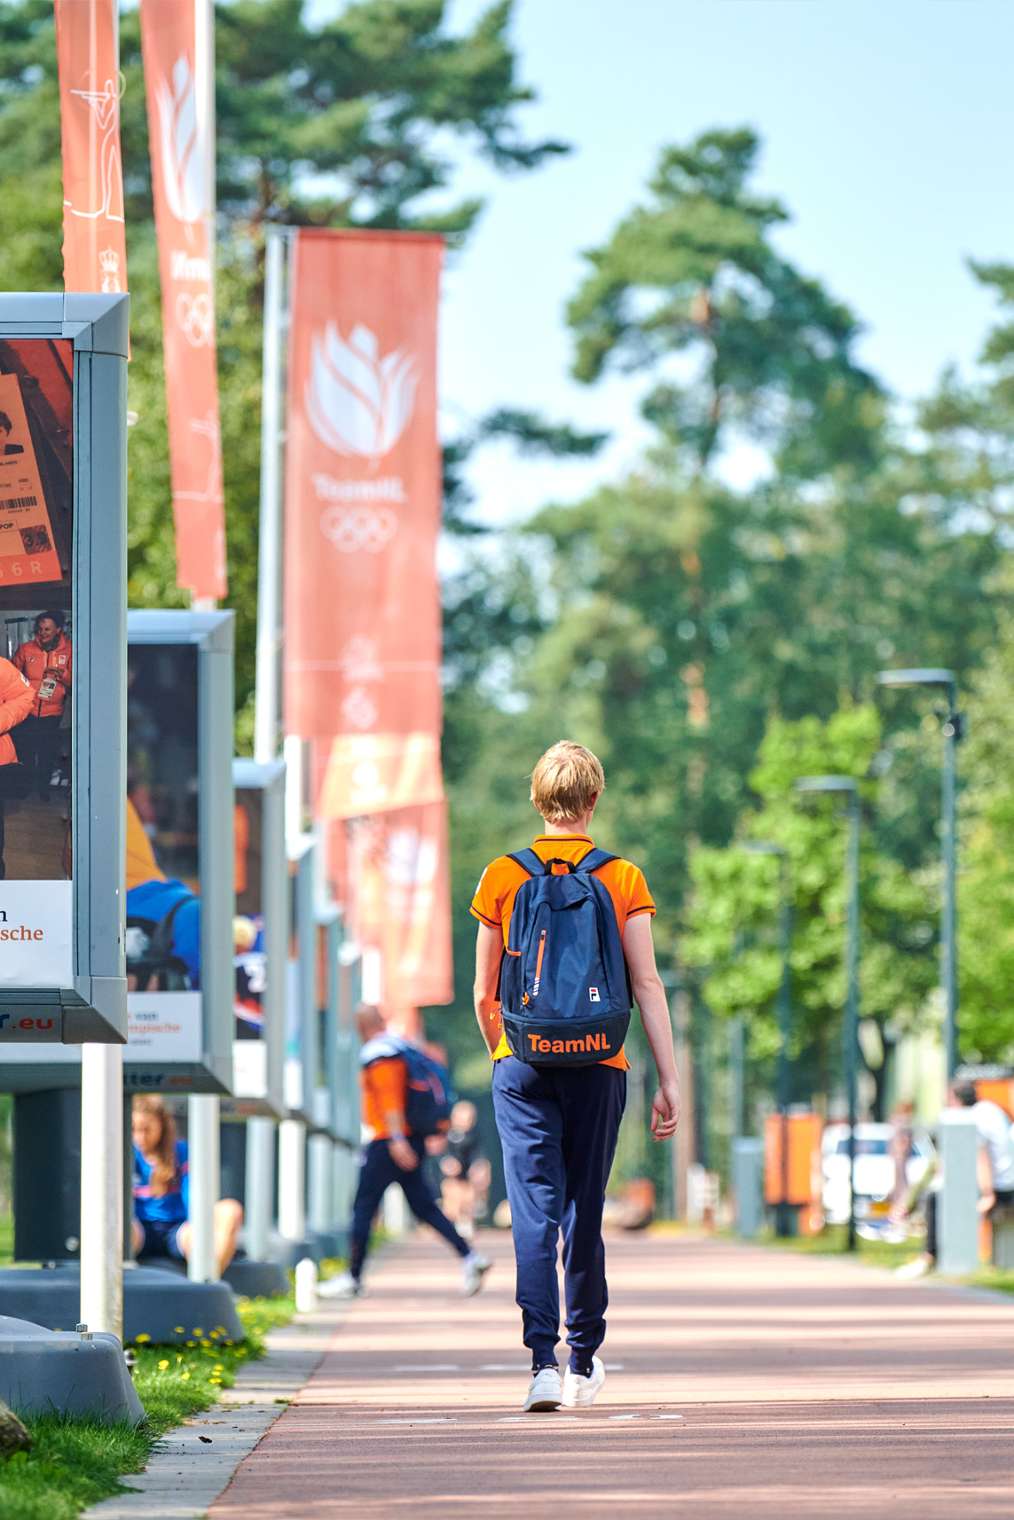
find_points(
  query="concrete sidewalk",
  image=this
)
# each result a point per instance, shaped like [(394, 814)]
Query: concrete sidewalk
[(743, 1382)]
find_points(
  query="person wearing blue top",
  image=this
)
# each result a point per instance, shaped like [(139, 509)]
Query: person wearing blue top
[(162, 1190)]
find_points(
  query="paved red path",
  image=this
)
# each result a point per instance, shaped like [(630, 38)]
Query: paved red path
[(744, 1383)]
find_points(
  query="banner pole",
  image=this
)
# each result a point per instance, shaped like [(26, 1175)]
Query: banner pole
[(267, 701), (102, 1188), (204, 1110)]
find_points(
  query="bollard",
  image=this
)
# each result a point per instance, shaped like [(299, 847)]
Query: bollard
[(306, 1285), (957, 1211), (748, 1185)]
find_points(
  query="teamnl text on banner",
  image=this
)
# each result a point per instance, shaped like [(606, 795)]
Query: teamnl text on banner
[(401, 902), (181, 170), (88, 59), (362, 512)]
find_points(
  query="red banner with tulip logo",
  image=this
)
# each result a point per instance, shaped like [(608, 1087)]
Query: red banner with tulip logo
[(400, 902), (88, 60), (362, 513), (181, 168)]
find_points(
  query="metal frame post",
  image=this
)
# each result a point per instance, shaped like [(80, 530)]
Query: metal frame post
[(952, 731), (102, 1188), (852, 1003)]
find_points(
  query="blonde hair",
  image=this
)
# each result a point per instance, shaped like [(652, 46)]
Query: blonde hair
[(566, 781), (164, 1170)]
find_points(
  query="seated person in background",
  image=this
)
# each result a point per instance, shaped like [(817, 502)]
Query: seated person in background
[(162, 1190), (466, 1172)]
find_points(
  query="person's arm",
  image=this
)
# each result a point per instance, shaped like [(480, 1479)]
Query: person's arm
[(488, 955), (16, 705), (649, 994), (984, 1177)]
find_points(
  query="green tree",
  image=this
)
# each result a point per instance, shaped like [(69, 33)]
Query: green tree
[(986, 881), (695, 275), (732, 936)]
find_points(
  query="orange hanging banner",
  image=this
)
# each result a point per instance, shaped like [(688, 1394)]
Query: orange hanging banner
[(88, 60), (181, 171), (362, 512), (399, 871)]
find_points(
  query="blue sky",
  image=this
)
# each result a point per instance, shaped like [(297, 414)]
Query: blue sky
[(888, 131)]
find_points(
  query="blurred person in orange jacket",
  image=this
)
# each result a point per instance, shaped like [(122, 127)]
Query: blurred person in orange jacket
[(392, 1154), (16, 702), (47, 663)]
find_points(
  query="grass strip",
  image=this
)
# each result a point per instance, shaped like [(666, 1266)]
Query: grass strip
[(75, 1463)]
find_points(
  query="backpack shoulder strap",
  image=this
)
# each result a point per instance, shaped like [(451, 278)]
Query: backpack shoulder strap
[(161, 940), (529, 862), (595, 859)]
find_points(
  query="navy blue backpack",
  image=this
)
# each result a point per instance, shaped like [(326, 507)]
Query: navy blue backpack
[(429, 1096), (564, 989)]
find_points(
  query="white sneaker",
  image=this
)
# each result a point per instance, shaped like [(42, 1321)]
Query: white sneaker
[(475, 1269), (342, 1286), (581, 1392), (545, 1392), (909, 1271)]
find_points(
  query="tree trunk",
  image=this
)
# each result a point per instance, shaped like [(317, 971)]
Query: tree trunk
[(13, 1435)]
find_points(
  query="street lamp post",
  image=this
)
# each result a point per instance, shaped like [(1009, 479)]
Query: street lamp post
[(845, 786), (783, 1223), (952, 728)]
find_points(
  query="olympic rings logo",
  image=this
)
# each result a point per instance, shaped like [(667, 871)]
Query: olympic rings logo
[(361, 528)]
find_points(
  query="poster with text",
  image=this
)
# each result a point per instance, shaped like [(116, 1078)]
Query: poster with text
[(36, 661)]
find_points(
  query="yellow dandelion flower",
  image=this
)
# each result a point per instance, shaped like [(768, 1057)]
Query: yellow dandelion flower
[(184, 1377), (144, 1336), (198, 1330), (177, 1329), (162, 1366)]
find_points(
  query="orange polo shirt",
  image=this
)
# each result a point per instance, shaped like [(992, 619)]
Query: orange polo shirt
[(493, 902), (384, 1087)]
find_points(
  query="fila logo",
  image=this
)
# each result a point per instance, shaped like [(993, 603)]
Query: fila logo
[(593, 994), (582, 1045)]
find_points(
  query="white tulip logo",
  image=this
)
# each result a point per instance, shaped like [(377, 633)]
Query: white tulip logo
[(411, 859), (356, 401), (183, 161)]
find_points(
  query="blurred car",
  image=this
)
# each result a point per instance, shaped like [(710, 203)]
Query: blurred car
[(875, 1169)]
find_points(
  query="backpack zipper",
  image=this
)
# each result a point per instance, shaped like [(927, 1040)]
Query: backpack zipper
[(538, 964)]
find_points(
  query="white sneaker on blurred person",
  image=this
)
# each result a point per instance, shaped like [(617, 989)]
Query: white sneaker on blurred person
[(474, 1270), (910, 1271), (342, 1286)]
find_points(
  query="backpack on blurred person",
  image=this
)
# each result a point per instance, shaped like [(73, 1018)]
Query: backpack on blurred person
[(429, 1096)]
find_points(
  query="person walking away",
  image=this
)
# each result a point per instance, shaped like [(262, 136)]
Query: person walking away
[(994, 1171), (16, 702), (46, 662), (564, 938), (466, 1171), (162, 1190), (394, 1152)]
